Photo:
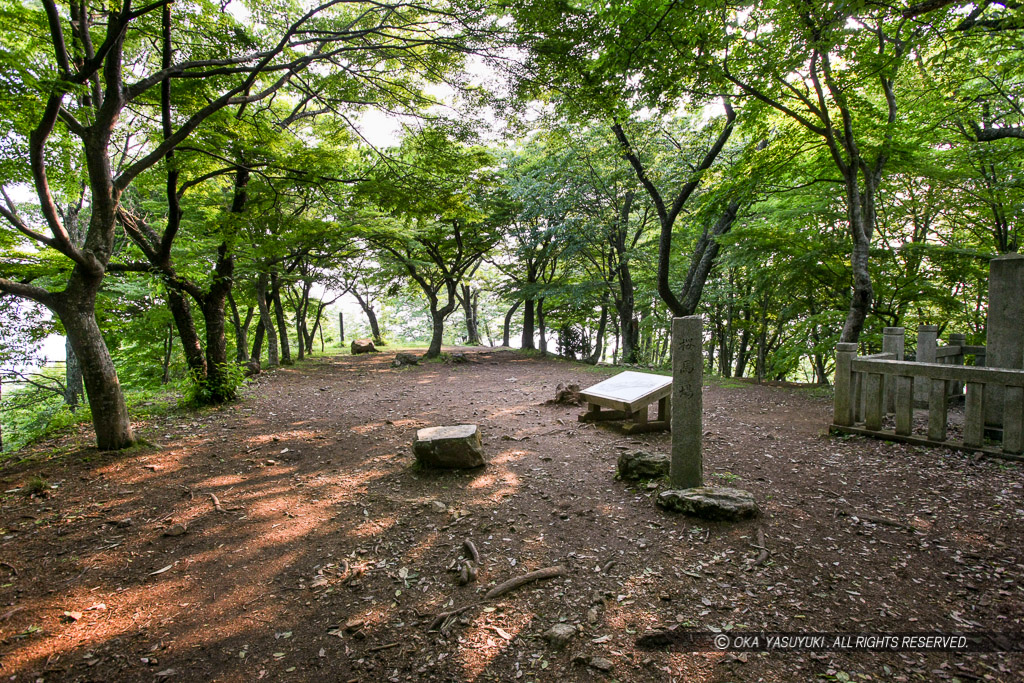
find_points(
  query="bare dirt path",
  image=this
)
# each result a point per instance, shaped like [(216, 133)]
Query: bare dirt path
[(288, 537)]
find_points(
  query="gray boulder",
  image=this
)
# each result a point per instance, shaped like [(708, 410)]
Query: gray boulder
[(643, 465), (453, 447), (403, 359), (715, 503)]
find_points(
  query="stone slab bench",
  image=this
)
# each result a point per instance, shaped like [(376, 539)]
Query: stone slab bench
[(627, 395)]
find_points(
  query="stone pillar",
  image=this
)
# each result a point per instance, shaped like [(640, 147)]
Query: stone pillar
[(1004, 335), (957, 339), (842, 386), (893, 341), (341, 328), (687, 467), (927, 343)]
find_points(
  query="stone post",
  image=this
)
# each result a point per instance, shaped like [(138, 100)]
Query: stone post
[(842, 401), (686, 469), (893, 341), (1004, 336), (341, 328), (957, 339), (927, 344)]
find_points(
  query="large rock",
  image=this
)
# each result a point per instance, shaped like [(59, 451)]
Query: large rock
[(363, 346), (403, 359), (454, 447), (643, 465), (716, 503)]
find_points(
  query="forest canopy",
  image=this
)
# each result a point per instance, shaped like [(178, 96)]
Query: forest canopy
[(191, 189)]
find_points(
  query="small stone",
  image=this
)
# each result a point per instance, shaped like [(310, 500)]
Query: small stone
[(592, 615), (600, 663), (559, 635), (714, 503), (635, 465), (176, 530), (354, 625), (438, 506)]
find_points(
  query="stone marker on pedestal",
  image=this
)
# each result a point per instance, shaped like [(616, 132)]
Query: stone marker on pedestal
[(453, 447), (687, 467), (686, 470)]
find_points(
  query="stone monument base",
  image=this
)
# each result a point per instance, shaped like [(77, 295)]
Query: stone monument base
[(715, 503)]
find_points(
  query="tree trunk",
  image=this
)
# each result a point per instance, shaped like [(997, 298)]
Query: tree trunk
[(218, 378), (73, 389), (168, 347), (505, 336), (528, 325), (266, 323), (282, 328), (371, 317), (863, 294), (106, 402), (616, 326), (468, 300), (181, 311), (741, 353), (436, 333), (341, 327), (595, 357), (241, 330), (257, 342), (543, 346)]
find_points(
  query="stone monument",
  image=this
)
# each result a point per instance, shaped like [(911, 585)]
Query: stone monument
[(1004, 336), (686, 469)]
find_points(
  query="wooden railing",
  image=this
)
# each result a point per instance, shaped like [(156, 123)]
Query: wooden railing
[(870, 387)]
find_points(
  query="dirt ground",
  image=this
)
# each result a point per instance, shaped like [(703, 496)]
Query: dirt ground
[(289, 537)]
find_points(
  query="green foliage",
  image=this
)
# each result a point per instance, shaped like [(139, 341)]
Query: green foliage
[(216, 388)]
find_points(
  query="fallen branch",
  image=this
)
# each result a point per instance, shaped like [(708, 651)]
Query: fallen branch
[(499, 590), (762, 556), (519, 581), (14, 570), (216, 502), (11, 612), (471, 550), (444, 616), (378, 648)]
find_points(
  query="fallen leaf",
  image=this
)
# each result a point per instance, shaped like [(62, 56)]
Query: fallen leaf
[(161, 571)]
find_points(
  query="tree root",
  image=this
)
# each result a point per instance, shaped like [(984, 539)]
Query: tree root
[(512, 584), (499, 590)]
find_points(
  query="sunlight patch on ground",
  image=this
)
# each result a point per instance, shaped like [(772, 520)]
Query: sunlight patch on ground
[(421, 549), (264, 439), (506, 457), (367, 428), (373, 527), (487, 638)]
